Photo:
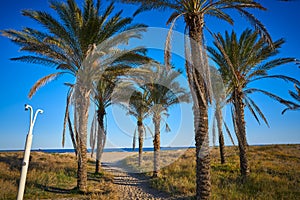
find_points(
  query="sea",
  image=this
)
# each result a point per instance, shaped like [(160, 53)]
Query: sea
[(146, 149)]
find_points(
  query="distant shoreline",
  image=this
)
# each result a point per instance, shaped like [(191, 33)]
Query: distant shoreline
[(146, 149)]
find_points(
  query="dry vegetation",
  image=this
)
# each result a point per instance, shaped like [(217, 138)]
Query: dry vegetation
[(275, 174), (51, 176)]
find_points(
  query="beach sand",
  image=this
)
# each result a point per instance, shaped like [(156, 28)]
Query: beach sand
[(112, 157)]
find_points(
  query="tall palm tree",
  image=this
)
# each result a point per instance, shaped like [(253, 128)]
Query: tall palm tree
[(243, 61), (69, 43), (219, 119), (220, 101), (103, 99), (138, 107), (197, 69), (164, 91), (219, 97)]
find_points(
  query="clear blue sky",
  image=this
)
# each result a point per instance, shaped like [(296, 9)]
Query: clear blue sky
[(281, 19)]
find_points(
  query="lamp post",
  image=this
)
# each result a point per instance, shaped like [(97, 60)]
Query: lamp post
[(28, 143)]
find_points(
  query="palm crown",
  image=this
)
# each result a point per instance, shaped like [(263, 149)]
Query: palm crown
[(246, 60), (67, 41), (202, 8), (164, 88)]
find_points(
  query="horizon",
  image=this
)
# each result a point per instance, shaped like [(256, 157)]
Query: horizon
[(145, 148)]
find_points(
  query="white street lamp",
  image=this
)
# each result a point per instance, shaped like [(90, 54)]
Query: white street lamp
[(28, 143)]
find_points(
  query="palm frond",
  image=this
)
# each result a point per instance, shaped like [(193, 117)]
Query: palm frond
[(257, 25), (229, 133), (214, 133), (41, 82), (251, 110), (68, 102), (282, 77), (167, 129), (258, 110), (36, 60), (149, 5), (215, 12), (74, 136), (93, 134), (149, 130), (235, 125), (271, 95), (296, 96)]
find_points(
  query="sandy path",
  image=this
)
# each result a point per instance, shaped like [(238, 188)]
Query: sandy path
[(132, 185)]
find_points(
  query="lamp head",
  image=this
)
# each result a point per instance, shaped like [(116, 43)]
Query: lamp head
[(26, 106)]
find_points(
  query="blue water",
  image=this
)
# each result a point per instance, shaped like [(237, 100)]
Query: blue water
[(146, 149)]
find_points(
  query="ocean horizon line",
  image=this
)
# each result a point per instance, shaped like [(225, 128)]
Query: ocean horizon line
[(122, 149), (113, 149)]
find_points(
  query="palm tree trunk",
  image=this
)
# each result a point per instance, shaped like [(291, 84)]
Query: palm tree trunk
[(156, 144), (141, 141), (221, 137), (241, 129), (82, 110), (202, 153), (100, 139), (199, 93)]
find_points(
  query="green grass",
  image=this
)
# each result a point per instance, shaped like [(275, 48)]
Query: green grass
[(275, 174), (51, 176)]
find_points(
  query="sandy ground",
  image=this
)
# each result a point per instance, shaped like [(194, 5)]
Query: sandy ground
[(130, 185), (112, 157), (133, 185)]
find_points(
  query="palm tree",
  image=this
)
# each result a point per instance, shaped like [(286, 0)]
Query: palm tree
[(243, 61), (295, 96), (164, 91), (219, 119), (219, 96), (138, 107), (69, 43), (110, 89), (197, 69), (103, 99)]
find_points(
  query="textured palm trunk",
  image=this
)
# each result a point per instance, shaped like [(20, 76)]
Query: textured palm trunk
[(82, 110), (221, 137), (101, 138), (202, 153), (141, 141), (241, 129), (198, 88), (156, 144)]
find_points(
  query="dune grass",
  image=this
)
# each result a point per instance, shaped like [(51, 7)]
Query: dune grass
[(51, 176), (275, 174)]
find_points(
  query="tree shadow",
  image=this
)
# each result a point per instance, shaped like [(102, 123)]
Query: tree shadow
[(98, 177), (14, 161), (72, 191), (57, 190), (95, 176), (91, 162)]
